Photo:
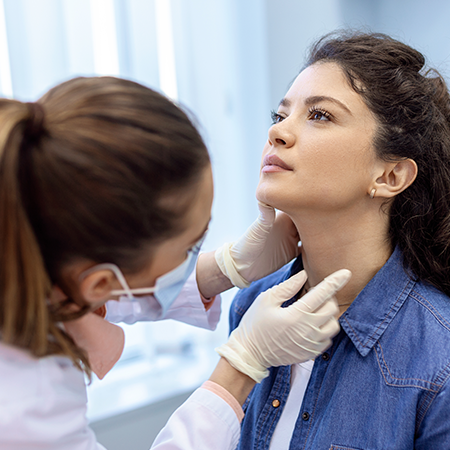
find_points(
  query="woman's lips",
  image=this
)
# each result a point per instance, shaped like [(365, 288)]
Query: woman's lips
[(273, 163)]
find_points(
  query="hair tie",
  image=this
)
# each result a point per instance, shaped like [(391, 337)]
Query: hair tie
[(35, 122)]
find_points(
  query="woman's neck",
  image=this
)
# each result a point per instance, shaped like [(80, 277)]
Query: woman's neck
[(358, 242)]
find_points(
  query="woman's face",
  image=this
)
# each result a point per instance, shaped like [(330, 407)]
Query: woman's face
[(319, 153)]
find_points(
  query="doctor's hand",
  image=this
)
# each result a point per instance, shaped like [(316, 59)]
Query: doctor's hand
[(270, 335), (270, 243)]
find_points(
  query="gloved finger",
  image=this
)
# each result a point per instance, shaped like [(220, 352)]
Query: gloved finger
[(296, 356), (330, 328), (267, 214), (325, 312), (326, 344), (323, 291), (310, 340), (312, 348), (314, 336), (259, 229), (286, 290)]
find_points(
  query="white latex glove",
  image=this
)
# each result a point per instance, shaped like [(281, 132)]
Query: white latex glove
[(271, 336), (270, 243)]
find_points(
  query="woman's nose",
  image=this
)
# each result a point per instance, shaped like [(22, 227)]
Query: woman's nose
[(279, 135)]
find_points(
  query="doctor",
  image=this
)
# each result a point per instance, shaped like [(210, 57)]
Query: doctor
[(106, 193)]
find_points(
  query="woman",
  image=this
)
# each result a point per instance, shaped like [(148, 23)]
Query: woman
[(105, 193), (359, 157)]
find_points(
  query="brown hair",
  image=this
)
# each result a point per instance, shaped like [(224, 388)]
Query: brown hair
[(84, 173), (412, 106)]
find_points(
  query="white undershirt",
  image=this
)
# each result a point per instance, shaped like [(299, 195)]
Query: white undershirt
[(300, 374)]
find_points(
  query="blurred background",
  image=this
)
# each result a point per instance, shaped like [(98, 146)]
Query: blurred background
[(227, 61)]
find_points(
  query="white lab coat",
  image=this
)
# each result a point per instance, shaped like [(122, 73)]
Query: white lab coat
[(43, 401)]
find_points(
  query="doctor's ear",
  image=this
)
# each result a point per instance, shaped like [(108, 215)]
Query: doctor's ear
[(97, 286), (396, 177)]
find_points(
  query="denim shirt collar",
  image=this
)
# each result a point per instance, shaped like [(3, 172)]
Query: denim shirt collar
[(376, 305)]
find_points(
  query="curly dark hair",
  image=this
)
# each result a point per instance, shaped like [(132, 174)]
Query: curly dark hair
[(412, 106)]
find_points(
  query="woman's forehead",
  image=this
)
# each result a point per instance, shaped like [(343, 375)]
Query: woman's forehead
[(324, 81)]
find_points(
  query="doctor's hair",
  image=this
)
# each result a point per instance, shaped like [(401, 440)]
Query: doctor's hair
[(99, 169), (411, 105)]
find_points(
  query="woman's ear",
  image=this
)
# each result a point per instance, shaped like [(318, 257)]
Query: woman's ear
[(97, 286), (396, 177)]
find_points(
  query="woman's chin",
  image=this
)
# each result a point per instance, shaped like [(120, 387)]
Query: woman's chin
[(264, 195), (261, 195)]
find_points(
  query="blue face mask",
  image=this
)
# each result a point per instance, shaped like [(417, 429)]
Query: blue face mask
[(167, 287)]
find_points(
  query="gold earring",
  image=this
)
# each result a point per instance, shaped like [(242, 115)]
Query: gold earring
[(372, 193)]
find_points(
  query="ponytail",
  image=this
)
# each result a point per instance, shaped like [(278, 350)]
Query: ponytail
[(25, 287)]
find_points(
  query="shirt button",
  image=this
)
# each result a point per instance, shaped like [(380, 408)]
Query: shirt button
[(326, 356), (276, 403), (305, 416)]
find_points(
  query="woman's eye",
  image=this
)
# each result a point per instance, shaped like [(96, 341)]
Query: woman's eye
[(318, 114), (276, 118)]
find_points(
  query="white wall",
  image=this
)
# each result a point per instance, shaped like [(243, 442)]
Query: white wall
[(223, 80), (291, 26), (423, 25)]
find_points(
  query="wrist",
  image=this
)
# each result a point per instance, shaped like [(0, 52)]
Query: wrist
[(236, 383), (210, 279)]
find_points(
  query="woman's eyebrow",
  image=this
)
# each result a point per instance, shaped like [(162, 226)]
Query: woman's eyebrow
[(310, 101), (284, 102)]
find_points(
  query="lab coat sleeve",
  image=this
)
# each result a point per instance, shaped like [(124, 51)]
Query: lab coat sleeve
[(204, 422), (188, 308)]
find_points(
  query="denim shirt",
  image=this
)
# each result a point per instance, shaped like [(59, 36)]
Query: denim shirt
[(383, 384)]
